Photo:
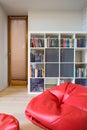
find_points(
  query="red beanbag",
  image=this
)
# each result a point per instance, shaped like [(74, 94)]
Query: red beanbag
[(63, 107), (8, 122)]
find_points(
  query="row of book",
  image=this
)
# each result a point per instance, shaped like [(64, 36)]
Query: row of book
[(81, 72), (52, 42), (37, 42), (36, 57), (67, 42), (36, 72), (80, 42)]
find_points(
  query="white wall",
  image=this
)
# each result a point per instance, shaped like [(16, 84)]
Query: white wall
[(55, 21), (3, 49), (85, 19)]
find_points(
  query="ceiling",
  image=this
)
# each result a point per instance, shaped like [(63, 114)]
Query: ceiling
[(21, 7)]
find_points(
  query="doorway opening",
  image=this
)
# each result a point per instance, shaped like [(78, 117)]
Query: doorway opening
[(17, 50)]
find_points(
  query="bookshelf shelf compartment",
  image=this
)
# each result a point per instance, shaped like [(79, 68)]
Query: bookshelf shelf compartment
[(37, 55), (37, 70), (36, 84)]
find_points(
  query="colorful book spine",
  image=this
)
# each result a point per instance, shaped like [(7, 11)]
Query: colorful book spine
[(33, 42), (30, 71), (48, 42), (43, 73), (64, 42), (33, 72), (36, 72), (70, 42), (61, 42), (39, 72), (67, 43)]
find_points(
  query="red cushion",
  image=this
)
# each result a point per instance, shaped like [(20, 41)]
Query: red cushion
[(8, 122), (63, 107)]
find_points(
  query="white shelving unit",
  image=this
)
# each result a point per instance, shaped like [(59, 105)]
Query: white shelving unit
[(56, 57)]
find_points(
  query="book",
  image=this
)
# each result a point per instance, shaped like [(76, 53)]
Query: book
[(64, 42)]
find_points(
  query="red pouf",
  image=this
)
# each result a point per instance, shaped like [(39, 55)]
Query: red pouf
[(8, 122), (63, 107)]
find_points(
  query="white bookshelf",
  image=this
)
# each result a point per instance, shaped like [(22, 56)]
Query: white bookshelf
[(56, 57)]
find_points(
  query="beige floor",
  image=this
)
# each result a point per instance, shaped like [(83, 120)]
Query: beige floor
[(13, 100)]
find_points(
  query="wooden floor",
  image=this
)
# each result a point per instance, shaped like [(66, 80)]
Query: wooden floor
[(14, 100)]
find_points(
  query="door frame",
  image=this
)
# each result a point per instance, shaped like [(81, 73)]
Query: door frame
[(10, 82)]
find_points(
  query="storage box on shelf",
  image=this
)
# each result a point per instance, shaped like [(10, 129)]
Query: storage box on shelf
[(55, 58)]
